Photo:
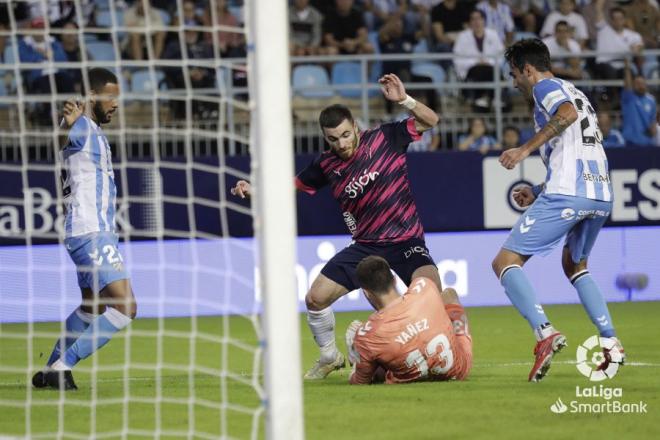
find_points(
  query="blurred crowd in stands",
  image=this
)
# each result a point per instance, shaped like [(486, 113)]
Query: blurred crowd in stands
[(475, 31)]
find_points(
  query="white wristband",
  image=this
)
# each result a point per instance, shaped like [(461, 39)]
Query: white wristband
[(408, 103)]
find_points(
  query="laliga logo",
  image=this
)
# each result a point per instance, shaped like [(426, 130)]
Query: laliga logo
[(598, 358)]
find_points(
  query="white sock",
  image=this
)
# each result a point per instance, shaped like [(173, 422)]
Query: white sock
[(58, 365), (544, 331), (322, 325)]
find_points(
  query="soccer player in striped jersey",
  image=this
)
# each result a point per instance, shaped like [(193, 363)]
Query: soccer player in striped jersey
[(573, 202), (368, 176), (89, 191)]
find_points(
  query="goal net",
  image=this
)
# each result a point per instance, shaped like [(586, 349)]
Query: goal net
[(202, 359)]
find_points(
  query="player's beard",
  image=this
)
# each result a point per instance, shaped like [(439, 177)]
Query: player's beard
[(353, 148), (101, 116), (356, 141)]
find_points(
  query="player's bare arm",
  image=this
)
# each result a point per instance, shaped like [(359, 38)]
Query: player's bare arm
[(242, 189), (563, 118), (73, 109), (394, 90)]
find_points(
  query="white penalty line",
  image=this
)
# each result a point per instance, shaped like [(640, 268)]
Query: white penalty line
[(244, 374), (524, 364), (130, 379)]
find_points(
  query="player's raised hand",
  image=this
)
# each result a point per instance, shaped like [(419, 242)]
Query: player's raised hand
[(510, 158), (242, 189), (392, 87), (523, 195), (73, 109)]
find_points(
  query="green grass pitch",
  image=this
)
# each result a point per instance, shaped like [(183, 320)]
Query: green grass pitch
[(496, 402)]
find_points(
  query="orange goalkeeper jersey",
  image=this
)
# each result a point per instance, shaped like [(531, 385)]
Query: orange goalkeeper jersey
[(416, 337)]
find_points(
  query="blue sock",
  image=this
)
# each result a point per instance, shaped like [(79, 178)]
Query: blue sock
[(99, 332), (593, 303), (522, 296), (75, 324)]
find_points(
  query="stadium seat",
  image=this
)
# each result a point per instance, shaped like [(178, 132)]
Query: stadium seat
[(523, 35), (237, 12), (101, 51), (375, 68), (651, 67), (421, 47), (9, 54), (90, 38), (142, 81), (222, 79), (347, 72), (3, 91), (7, 85), (104, 20), (429, 70), (309, 76), (166, 17)]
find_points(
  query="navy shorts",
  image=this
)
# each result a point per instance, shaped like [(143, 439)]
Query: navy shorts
[(404, 258)]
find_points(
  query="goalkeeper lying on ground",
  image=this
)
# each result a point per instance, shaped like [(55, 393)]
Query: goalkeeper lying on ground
[(422, 335)]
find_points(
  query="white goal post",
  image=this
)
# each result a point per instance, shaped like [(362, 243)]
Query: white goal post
[(275, 221)]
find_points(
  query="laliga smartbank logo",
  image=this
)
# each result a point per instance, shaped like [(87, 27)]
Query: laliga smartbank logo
[(592, 363)]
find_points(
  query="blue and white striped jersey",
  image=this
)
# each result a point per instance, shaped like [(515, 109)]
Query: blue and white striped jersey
[(575, 160), (88, 180), (498, 18)]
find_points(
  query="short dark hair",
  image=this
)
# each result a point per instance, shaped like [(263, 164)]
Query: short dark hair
[(615, 10), (479, 11), (99, 77), (334, 115), (373, 273), (511, 128), (561, 23), (530, 51)]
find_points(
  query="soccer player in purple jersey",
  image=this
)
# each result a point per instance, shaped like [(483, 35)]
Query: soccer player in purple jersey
[(368, 176)]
